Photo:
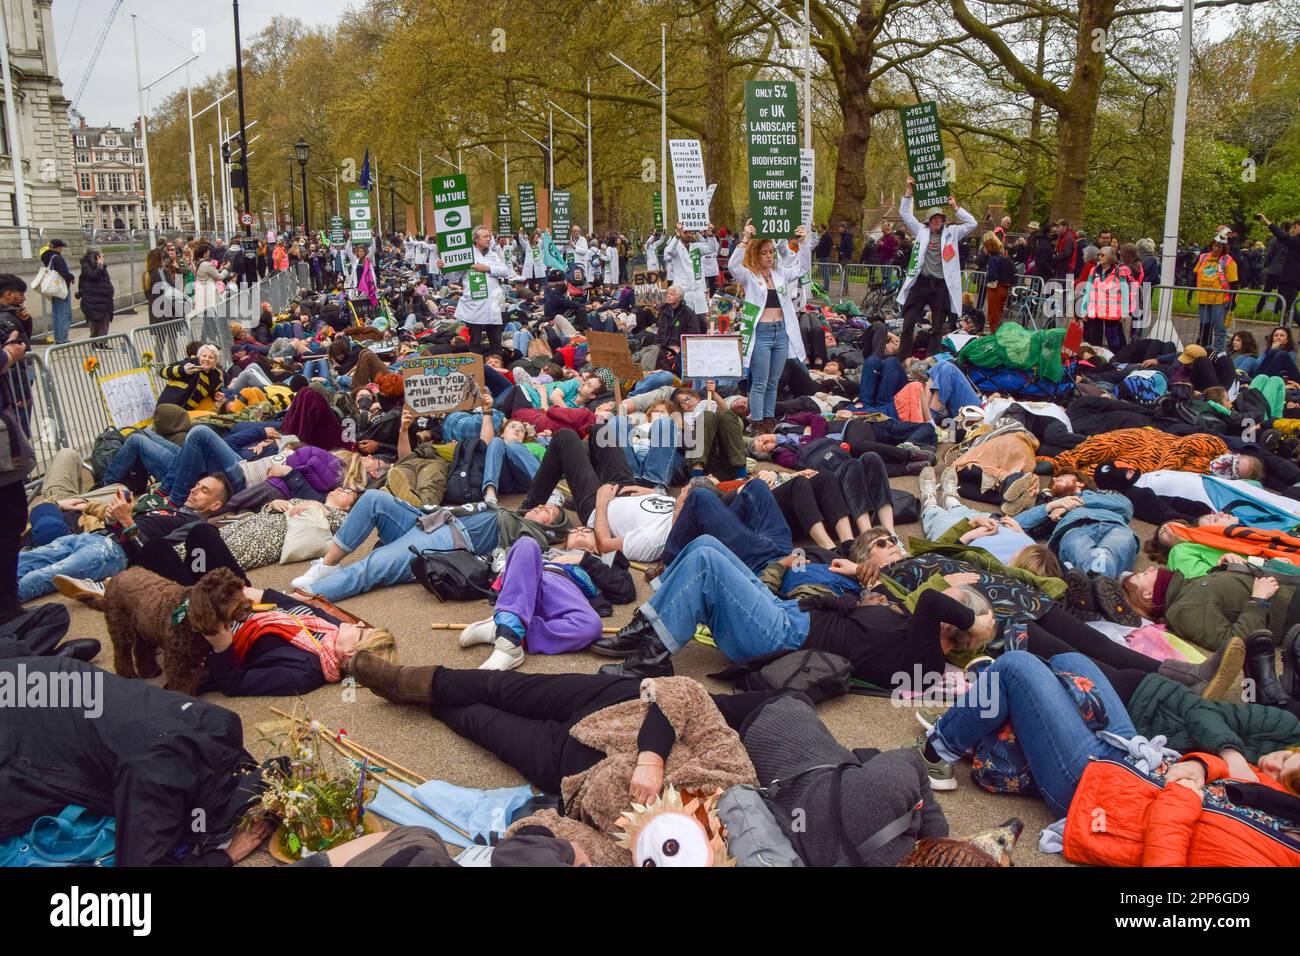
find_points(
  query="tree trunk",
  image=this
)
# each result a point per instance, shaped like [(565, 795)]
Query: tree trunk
[(1075, 125), (721, 131), (851, 150)]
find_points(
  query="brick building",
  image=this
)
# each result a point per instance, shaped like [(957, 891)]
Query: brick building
[(109, 167)]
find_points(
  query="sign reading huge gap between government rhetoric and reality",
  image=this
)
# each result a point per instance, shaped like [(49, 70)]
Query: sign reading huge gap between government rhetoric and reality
[(688, 178), (924, 148), (772, 135), (451, 219)]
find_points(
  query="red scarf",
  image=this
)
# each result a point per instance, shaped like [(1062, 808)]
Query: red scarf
[(300, 630)]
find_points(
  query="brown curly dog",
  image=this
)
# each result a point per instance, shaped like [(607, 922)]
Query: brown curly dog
[(140, 607)]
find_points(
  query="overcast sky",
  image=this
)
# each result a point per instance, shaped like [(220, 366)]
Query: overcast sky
[(166, 34)]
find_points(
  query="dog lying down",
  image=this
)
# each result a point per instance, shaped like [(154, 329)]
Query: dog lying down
[(147, 613)]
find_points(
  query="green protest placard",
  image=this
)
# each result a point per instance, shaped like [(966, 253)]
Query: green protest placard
[(336, 230), (772, 140), (527, 207), (658, 204), (505, 218), (924, 148), (561, 216), (451, 219), (359, 214)]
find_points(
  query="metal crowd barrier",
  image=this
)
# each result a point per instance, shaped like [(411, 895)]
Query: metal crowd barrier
[(27, 389), (830, 276), (74, 385), (162, 343), (861, 278)]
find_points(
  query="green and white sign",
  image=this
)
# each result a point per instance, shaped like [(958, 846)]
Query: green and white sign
[(359, 214), (336, 230), (561, 215), (505, 216), (452, 220), (924, 148), (527, 207), (658, 204), (772, 138)]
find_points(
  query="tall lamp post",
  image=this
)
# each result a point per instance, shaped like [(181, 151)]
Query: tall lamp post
[(300, 150), (662, 89), (293, 210)]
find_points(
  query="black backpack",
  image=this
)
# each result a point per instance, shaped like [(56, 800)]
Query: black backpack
[(819, 674), (107, 444), (465, 483), (452, 574)]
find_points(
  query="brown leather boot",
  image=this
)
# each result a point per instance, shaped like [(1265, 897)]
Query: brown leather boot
[(769, 426), (401, 685)]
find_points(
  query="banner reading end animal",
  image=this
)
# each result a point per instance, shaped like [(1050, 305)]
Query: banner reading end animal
[(442, 383), (924, 147), (772, 138)]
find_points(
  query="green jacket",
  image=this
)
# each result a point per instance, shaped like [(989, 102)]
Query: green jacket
[(1162, 706), (949, 544), (1194, 560), (1210, 609)]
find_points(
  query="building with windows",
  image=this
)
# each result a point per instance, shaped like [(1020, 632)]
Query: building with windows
[(109, 167)]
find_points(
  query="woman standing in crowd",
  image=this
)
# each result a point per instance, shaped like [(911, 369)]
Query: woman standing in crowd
[(999, 277), (96, 294), (207, 278), (769, 326)]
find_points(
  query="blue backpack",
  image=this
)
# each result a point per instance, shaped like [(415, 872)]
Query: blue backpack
[(1147, 386)]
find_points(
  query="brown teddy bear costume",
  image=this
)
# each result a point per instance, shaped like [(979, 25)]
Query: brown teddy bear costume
[(707, 755)]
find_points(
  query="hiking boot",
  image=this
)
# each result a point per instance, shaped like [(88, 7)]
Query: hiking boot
[(1080, 600), (1218, 677), (1112, 604), (400, 685), (917, 453), (1291, 662), (79, 589), (929, 487), (627, 641), (1019, 495), (948, 484), (915, 467), (651, 659), (1260, 668), (940, 773)]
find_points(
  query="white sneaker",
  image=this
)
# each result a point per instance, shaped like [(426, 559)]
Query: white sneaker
[(480, 632), (948, 484), (81, 589), (316, 571), (929, 484), (506, 657)]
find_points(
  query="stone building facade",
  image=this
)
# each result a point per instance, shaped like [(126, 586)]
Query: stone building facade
[(108, 165)]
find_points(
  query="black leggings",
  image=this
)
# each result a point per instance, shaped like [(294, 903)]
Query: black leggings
[(585, 465), (1139, 350), (1058, 632), (865, 484), (805, 502), (493, 337), (925, 291), (204, 550), (795, 381), (524, 719)]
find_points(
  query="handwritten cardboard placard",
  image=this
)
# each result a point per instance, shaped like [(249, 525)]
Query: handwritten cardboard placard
[(610, 350), (436, 384), (129, 397), (712, 356)]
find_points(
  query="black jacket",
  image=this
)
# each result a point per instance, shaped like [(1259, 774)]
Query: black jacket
[(613, 580), (672, 324), (53, 259), (157, 761), (1290, 245), (95, 291)]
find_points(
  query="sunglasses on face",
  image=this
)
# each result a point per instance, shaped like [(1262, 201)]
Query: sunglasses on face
[(882, 543)]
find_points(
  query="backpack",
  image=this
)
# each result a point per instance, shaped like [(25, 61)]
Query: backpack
[(754, 836), (1250, 403), (1147, 386), (1200, 413), (820, 675), (107, 444), (465, 483), (452, 574)]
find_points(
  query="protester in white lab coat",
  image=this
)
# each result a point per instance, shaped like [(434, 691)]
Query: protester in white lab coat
[(684, 253), (480, 303), (934, 272)]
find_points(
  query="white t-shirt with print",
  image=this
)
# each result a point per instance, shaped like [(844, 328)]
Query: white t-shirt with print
[(643, 522)]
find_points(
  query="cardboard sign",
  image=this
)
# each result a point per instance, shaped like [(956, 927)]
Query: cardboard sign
[(648, 289), (688, 178), (772, 142), (712, 356), (359, 213), (452, 221), (443, 383), (924, 148), (527, 207), (129, 397), (609, 350)]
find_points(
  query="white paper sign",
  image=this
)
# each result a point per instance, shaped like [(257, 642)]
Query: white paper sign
[(129, 397), (712, 356), (807, 182), (708, 200), (688, 178)]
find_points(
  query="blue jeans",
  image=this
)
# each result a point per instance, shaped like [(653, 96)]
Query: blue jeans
[(882, 379), (203, 453), (61, 315), (1214, 317), (390, 561), (653, 463), (766, 361), (1020, 687), (144, 448), (751, 526), (936, 520), (522, 339), (652, 381), (466, 426), (91, 556), (251, 377), (509, 467), (953, 388), (707, 584), (318, 368), (1107, 549)]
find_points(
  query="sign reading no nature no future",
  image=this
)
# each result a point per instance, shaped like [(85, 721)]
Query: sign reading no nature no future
[(772, 133), (924, 148), (451, 219)]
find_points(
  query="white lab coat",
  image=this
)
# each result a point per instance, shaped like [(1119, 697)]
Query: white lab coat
[(953, 233), (486, 311), (651, 255), (610, 255), (534, 265), (682, 273), (710, 258), (785, 276)]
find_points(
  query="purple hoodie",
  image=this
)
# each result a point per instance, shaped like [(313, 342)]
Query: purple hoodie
[(321, 470)]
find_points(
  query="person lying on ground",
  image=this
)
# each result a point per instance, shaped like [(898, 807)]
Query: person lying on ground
[(1088, 531), (812, 504), (1161, 496)]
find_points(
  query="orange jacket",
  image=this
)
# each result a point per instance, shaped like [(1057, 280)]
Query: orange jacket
[(1239, 539), (1119, 817)]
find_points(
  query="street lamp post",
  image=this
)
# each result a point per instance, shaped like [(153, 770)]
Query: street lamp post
[(293, 210), (300, 149), (392, 205), (662, 88), (591, 226), (806, 27)]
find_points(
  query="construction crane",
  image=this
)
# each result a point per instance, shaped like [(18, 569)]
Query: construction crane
[(94, 57)]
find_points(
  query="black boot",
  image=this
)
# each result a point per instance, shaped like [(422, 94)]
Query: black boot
[(651, 659), (627, 641), (1291, 662), (1261, 670)]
